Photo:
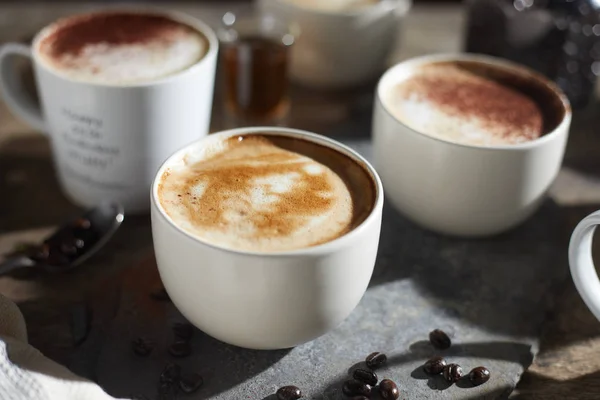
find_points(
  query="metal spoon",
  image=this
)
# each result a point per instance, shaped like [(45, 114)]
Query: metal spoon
[(96, 225)]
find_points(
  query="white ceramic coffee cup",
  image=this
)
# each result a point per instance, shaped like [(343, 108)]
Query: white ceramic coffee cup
[(109, 140), (459, 189), (265, 300), (341, 49), (583, 270)]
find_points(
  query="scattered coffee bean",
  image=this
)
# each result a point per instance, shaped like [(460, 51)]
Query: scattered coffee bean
[(452, 373), (170, 374), (434, 366), (366, 376), (180, 349), (388, 390), (479, 376), (439, 339), (142, 347), (190, 383), (160, 295), (82, 223), (376, 360), (183, 331), (289, 393), (353, 387)]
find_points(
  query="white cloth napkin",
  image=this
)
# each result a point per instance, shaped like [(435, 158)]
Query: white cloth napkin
[(25, 374)]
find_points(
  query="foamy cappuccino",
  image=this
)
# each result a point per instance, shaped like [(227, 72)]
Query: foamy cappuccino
[(467, 103), (120, 47), (266, 193), (333, 5)]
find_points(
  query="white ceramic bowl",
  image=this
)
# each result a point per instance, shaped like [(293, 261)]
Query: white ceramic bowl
[(266, 300)]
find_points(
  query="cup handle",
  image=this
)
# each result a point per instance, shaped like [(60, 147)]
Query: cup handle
[(583, 270), (14, 93)]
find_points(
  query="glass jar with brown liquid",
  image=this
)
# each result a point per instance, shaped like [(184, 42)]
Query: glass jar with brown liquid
[(254, 65)]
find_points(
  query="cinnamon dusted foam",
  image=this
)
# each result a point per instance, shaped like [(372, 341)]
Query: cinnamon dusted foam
[(454, 104), (266, 193), (121, 47)]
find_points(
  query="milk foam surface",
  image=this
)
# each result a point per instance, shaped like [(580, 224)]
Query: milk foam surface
[(121, 48), (333, 5), (453, 104), (249, 194)]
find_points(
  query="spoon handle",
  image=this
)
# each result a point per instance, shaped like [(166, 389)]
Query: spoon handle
[(15, 263)]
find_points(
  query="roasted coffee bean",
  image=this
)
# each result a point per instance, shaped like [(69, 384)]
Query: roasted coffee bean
[(190, 383), (353, 387), (142, 347), (376, 360), (359, 398), (434, 366), (388, 390), (180, 349), (439, 339), (289, 393), (479, 376), (452, 372), (82, 223), (170, 374), (366, 376), (167, 391), (160, 295), (183, 331)]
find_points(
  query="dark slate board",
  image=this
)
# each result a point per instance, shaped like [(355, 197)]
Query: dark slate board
[(491, 295)]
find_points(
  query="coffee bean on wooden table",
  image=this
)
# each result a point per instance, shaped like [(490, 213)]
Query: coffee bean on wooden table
[(170, 374), (479, 376), (388, 390), (289, 393), (434, 366), (452, 373), (353, 387), (366, 376), (190, 383), (183, 331), (439, 339), (180, 349), (142, 347), (376, 360)]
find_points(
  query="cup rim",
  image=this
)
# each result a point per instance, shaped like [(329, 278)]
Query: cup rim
[(322, 248), (345, 13), (178, 16), (483, 59)]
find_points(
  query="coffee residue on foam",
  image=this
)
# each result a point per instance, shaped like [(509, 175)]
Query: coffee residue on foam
[(122, 46), (453, 103), (254, 195)]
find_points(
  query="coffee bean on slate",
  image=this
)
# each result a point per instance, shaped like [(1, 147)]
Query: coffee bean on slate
[(452, 372), (388, 390), (353, 387), (376, 360), (160, 295), (170, 374), (190, 383), (289, 393), (180, 349), (183, 331), (142, 347), (366, 376), (479, 376), (439, 339), (434, 366)]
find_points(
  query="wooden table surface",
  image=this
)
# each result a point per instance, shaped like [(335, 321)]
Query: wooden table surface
[(568, 365)]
